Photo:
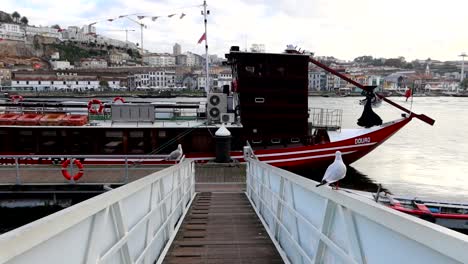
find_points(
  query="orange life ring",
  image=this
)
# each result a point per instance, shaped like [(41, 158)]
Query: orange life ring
[(16, 98), (67, 175), (93, 110), (118, 98)]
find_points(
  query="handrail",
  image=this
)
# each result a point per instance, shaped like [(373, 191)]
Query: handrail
[(130, 224), (29, 169), (320, 225)]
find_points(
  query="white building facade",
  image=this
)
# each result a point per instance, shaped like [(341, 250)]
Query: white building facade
[(43, 31), (39, 84), (61, 65), (11, 32), (160, 60), (157, 79), (93, 63)]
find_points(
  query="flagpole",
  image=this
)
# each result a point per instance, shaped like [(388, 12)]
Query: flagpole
[(207, 85)]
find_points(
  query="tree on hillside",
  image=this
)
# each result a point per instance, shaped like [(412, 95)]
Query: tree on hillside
[(464, 84), (16, 16), (397, 63), (364, 59), (56, 26), (24, 20), (104, 85)]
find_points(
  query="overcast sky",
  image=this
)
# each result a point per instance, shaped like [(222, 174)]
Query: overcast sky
[(341, 28)]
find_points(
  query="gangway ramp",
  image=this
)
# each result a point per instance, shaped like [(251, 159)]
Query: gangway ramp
[(160, 218), (222, 228)]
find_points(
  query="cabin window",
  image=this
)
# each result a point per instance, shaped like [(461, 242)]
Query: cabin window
[(258, 141), (250, 69), (275, 140), (113, 142), (51, 142), (259, 100), (136, 142), (49, 133), (25, 141), (295, 140), (80, 142), (162, 134), (26, 132)]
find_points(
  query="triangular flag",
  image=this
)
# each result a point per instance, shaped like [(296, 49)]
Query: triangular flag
[(203, 37), (171, 15), (141, 17), (154, 18), (182, 15)]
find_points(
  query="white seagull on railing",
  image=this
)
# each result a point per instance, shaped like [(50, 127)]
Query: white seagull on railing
[(176, 154), (335, 172)]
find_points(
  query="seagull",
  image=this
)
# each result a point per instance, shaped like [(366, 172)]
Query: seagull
[(176, 154), (335, 172)]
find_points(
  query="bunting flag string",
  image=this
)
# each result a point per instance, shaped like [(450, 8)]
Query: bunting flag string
[(141, 16)]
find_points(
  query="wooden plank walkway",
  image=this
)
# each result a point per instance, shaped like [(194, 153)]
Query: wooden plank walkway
[(222, 228)]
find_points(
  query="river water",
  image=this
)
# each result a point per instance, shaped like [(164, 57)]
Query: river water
[(420, 160)]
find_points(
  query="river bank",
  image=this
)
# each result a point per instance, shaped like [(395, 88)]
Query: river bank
[(188, 93)]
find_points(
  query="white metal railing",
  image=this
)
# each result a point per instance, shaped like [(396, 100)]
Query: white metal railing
[(320, 225), (134, 223), (40, 169)]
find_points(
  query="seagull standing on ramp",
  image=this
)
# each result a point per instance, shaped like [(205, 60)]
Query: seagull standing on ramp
[(335, 172), (176, 154)]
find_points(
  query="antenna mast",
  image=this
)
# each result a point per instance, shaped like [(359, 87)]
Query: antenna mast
[(205, 14), (463, 55)]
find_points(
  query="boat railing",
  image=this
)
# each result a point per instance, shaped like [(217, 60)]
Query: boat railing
[(321, 225), (134, 223), (95, 169), (330, 119)]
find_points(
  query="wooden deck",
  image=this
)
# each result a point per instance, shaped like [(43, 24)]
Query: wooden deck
[(222, 228)]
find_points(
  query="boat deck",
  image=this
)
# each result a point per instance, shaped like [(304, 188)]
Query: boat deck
[(222, 228)]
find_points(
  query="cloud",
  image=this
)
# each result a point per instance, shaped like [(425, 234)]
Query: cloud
[(344, 29)]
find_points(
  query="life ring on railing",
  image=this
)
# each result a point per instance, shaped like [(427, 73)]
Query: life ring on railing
[(118, 98), (93, 110), (67, 175), (16, 98)]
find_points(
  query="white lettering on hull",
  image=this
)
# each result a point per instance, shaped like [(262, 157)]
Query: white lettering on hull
[(359, 141)]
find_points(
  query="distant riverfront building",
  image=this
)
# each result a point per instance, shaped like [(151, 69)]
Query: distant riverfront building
[(176, 50), (159, 59), (11, 32)]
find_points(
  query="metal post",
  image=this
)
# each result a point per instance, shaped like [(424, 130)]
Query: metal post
[(18, 179), (141, 25), (463, 55), (72, 179), (126, 170)]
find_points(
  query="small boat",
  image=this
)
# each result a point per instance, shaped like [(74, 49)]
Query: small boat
[(448, 214)]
